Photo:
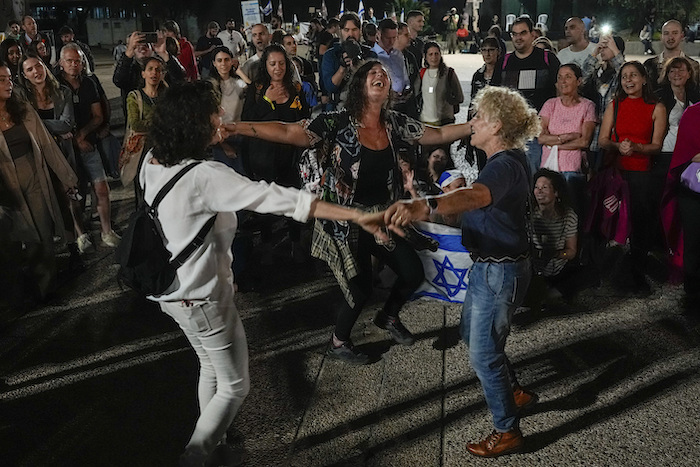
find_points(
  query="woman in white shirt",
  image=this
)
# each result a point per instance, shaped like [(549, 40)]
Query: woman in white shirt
[(440, 90), (200, 299)]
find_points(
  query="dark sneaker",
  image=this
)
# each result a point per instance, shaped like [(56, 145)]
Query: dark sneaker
[(347, 353), (395, 328)]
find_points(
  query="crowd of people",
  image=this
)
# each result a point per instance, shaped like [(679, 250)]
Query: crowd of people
[(365, 126)]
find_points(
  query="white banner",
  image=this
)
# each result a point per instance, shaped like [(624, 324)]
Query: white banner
[(251, 13)]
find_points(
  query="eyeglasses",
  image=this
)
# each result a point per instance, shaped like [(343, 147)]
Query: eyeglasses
[(488, 51), (521, 34)]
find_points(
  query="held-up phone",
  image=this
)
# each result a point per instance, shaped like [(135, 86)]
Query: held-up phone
[(151, 37)]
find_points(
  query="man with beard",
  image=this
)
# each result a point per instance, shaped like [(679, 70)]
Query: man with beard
[(205, 45), (337, 64), (260, 40), (533, 72), (233, 39), (579, 48), (672, 36), (127, 73)]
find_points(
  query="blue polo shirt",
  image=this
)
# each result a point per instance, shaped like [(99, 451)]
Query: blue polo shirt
[(499, 229)]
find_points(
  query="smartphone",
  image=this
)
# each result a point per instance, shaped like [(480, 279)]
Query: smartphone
[(151, 37)]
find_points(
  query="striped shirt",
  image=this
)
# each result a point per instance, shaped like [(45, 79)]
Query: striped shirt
[(551, 234)]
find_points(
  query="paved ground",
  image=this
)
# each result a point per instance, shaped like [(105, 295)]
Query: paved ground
[(100, 377)]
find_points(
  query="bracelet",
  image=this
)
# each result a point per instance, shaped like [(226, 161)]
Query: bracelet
[(559, 138), (432, 203), (252, 128)]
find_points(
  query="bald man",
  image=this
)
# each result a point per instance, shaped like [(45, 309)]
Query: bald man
[(579, 47), (672, 35)]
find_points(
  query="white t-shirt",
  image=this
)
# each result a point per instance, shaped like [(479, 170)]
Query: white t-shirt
[(568, 56), (233, 40), (429, 113), (674, 118)]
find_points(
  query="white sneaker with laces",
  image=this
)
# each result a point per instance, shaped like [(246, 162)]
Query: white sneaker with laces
[(111, 238)]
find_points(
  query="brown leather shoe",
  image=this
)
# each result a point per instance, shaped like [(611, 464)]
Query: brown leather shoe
[(524, 399), (498, 444)]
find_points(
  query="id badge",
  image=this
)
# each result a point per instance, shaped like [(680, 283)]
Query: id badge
[(431, 89), (76, 99)]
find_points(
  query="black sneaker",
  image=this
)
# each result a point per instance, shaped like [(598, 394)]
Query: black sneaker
[(347, 353), (395, 328)]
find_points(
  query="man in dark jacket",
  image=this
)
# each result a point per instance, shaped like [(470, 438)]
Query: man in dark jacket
[(127, 73)]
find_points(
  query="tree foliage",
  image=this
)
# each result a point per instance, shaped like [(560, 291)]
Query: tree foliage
[(408, 5)]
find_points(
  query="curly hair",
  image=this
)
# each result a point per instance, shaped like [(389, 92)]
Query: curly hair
[(442, 68), (677, 62), (559, 185), (647, 92), (357, 94), (182, 127), (53, 87), (519, 122), (263, 81)]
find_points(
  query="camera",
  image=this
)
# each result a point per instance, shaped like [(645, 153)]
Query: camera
[(353, 50)]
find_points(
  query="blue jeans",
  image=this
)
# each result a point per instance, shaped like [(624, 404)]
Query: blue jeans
[(533, 153), (494, 291)]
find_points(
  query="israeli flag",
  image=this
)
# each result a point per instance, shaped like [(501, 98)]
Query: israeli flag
[(446, 269), (361, 11), (268, 8), (342, 7)]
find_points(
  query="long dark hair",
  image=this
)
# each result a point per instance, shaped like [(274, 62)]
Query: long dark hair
[(14, 105), (357, 94), (5, 47), (264, 79), (442, 68), (214, 73), (182, 127), (52, 85), (647, 93)]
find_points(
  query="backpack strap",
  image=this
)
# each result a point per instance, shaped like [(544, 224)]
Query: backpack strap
[(505, 61), (198, 240), (168, 186)]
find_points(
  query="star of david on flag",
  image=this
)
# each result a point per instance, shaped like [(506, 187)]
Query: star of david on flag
[(446, 270), (268, 8)]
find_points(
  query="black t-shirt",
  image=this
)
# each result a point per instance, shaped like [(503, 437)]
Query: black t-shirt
[(376, 169), (498, 229), (534, 76), (83, 98), (203, 43), (324, 38), (416, 48)]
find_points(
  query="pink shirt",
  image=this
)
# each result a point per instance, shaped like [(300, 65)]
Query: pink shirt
[(562, 120)]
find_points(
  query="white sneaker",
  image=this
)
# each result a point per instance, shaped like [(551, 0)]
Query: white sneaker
[(111, 238), (84, 243)]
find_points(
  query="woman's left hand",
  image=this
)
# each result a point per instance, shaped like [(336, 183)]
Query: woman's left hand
[(696, 158)]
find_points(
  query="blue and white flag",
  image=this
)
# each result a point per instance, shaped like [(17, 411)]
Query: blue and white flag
[(446, 269), (342, 8), (324, 10), (268, 8), (361, 11), (280, 13), (402, 14)]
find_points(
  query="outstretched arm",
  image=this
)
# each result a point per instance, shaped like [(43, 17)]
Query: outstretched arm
[(371, 222), (276, 132), (445, 134)]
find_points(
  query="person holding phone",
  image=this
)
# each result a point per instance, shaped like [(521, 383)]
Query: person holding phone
[(139, 48)]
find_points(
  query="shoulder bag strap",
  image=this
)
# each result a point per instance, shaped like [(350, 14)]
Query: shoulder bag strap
[(168, 186)]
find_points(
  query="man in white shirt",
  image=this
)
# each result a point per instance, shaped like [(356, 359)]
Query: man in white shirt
[(579, 47), (392, 59), (232, 39), (261, 39)]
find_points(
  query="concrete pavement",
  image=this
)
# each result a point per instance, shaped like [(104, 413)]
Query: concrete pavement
[(100, 377)]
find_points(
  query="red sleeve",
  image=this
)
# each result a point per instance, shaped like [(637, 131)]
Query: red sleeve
[(188, 61)]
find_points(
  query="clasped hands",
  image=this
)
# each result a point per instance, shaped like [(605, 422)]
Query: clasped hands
[(394, 218)]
